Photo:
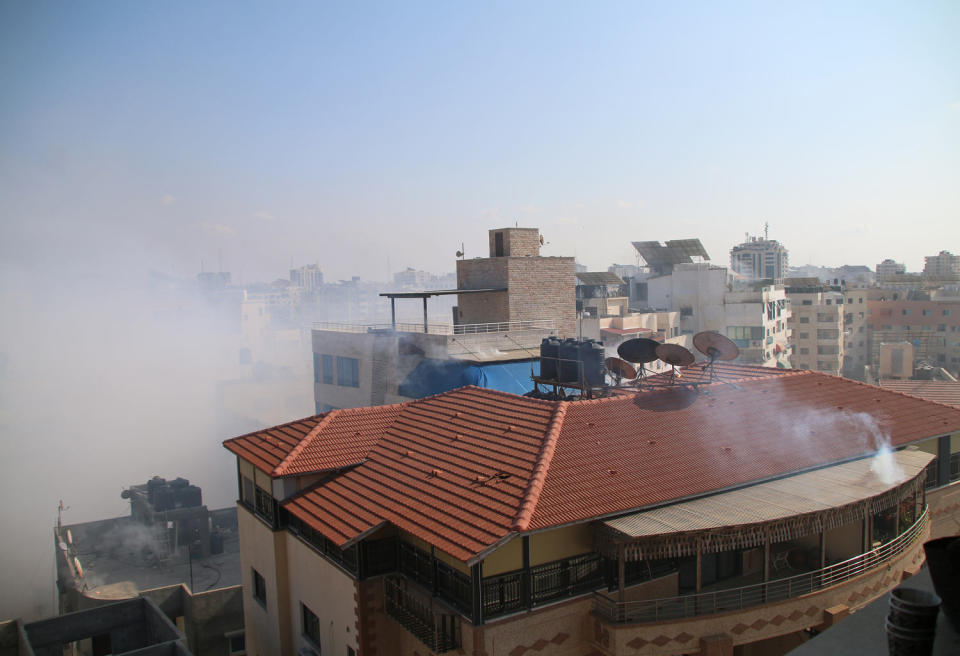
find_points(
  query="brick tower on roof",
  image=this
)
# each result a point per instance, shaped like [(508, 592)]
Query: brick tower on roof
[(530, 287)]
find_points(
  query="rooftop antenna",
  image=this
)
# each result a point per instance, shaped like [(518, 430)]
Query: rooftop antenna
[(461, 252), (716, 347), (675, 356), (766, 230)]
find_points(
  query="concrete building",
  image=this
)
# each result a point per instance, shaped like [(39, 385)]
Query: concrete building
[(696, 291), (856, 349), (760, 259), (517, 284), (817, 326), (932, 327), (661, 521), (758, 322), (602, 294), (506, 305), (889, 269), (309, 277), (943, 264), (170, 555)]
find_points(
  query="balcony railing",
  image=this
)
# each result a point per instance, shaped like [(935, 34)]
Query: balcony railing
[(559, 579), (441, 328), (732, 599), (438, 630)]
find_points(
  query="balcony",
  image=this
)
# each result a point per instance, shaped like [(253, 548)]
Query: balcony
[(419, 614), (745, 597)]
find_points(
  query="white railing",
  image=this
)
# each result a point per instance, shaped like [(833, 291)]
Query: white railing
[(441, 328), (732, 599)]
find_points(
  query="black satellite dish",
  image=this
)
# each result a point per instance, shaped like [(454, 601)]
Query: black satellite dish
[(639, 350), (716, 347), (675, 356)]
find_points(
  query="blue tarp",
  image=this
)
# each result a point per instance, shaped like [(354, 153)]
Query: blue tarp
[(436, 376)]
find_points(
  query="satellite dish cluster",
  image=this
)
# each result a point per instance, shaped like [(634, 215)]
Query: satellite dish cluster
[(642, 351)]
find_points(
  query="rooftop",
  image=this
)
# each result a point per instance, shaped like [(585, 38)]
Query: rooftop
[(467, 469), (941, 391)]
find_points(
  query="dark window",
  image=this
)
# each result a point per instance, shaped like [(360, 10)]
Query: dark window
[(926, 313), (327, 369), (807, 302), (238, 644), (259, 588), (311, 625), (498, 244), (348, 372)]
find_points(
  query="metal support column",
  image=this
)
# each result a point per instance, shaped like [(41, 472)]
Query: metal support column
[(424, 315), (621, 571), (943, 460), (476, 581), (823, 548), (393, 313), (699, 566), (525, 591)]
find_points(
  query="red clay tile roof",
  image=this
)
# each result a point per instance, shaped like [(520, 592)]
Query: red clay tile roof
[(452, 469), (334, 440), (941, 391), (466, 469)]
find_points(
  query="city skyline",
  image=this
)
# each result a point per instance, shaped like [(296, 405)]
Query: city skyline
[(167, 136)]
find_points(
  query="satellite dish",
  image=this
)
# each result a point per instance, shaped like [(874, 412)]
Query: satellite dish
[(715, 346), (459, 253), (541, 240), (675, 355), (620, 369), (639, 350)]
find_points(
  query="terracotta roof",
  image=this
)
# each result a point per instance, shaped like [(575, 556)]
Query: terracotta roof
[(941, 391), (334, 440), (468, 468), (453, 469)]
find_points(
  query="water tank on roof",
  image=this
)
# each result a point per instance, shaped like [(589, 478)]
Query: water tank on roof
[(591, 355), (179, 483), (165, 498), (189, 496), (568, 369), (549, 352)]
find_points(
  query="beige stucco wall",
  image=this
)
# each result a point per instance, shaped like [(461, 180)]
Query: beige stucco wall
[(944, 505), (560, 543), (264, 550), (327, 591)]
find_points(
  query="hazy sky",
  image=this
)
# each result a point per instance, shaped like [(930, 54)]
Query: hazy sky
[(373, 136)]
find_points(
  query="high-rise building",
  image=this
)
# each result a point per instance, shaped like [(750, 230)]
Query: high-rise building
[(943, 264), (759, 258), (309, 277)]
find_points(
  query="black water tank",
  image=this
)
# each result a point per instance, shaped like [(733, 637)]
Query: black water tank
[(178, 483), (165, 498), (189, 496), (591, 354), (549, 352), (153, 485), (568, 369)]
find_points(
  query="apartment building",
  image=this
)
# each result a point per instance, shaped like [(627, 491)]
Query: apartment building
[(757, 320), (759, 258), (506, 305), (817, 326), (944, 264), (931, 326), (696, 291), (663, 521), (888, 270), (856, 349)]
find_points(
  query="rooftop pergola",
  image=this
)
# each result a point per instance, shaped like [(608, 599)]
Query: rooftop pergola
[(393, 296)]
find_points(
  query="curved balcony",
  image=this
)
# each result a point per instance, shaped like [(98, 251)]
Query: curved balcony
[(735, 599)]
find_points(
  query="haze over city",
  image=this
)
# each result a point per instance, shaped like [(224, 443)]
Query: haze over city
[(145, 139)]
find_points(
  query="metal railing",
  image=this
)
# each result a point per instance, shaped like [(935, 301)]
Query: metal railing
[(440, 328), (732, 599), (438, 630)]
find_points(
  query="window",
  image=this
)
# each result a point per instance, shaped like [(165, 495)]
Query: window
[(804, 319), (237, 643), (348, 372), (311, 625), (942, 328), (327, 369), (804, 335), (804, 351), (259, 588), (807, 302), (926, 313), (906, 312), (946, 313)]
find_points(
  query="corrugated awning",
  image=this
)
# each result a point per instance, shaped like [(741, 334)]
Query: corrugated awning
[(820, 499)]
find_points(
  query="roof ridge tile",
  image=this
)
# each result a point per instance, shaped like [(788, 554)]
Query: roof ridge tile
[(302, 444), (539, 474)]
